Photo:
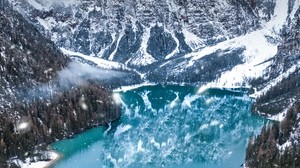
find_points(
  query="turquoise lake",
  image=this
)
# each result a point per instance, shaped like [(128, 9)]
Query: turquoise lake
[(168, 126)]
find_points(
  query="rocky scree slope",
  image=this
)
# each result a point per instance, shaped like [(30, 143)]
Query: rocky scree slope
[(29, 62)]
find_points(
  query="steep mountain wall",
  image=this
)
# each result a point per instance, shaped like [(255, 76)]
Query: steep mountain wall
[(124, 30), (278, 143)]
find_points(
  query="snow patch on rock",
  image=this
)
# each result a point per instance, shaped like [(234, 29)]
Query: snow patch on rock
[(53, 156)]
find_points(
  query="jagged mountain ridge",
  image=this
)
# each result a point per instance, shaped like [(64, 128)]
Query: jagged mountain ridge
[(161, 40), (90, 27), (141, 33)]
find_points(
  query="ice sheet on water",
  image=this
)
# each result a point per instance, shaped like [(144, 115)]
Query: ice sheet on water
[(189, 132)]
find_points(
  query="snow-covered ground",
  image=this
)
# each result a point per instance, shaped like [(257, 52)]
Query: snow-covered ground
[(102, 63), (177, 45), (258, 50), (142, 58), (193, 41), (279, 117), (132, 87), (295, 8), (36, 5), (119, 37), (46, 5), (292, 140), (275, 81), (53, 156)]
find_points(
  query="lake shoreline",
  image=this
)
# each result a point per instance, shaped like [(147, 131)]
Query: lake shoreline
[(165, 106), (52, 162)]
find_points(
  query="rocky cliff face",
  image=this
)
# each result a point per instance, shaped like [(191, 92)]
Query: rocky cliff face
[(31, 115), (102, 27), (147, 35), (226, 43), (169, 41)]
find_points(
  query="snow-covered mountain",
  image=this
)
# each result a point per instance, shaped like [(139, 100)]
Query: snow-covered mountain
[(228, 43), (174, 39), (215, 43), (156, 38), (103, 28)]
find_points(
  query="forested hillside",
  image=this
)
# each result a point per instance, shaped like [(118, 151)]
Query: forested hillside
[(31, 115)]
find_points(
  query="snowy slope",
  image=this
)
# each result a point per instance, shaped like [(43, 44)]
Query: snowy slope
[(192, 40), (258, 51), (102, 63), (142, 58)]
